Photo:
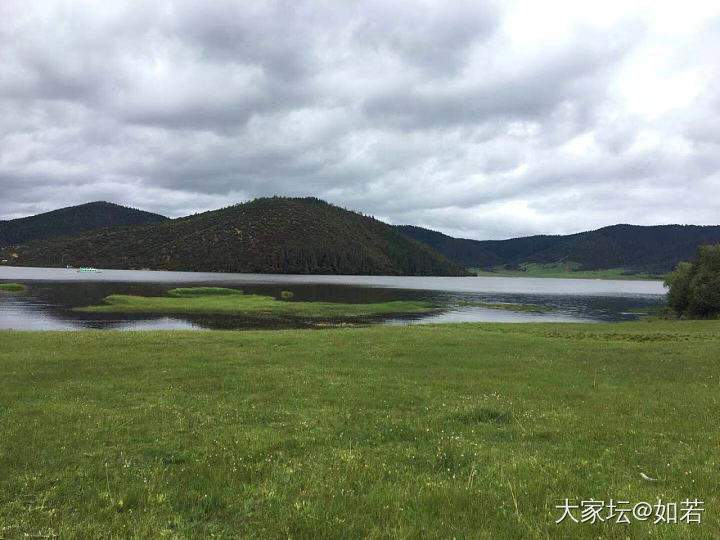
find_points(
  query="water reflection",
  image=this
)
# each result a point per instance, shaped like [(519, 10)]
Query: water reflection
[(52, 293)]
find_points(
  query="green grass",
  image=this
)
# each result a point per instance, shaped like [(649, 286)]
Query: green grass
[(12, 287), (185, 292), (510, 307), (254, 305), (464, 431), (564, 270)]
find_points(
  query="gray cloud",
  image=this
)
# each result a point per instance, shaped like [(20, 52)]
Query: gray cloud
[(482, 120)]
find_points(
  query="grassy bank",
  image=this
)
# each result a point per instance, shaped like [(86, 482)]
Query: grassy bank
[(564, 270), (12, 287), (233, 302), (465, 431)]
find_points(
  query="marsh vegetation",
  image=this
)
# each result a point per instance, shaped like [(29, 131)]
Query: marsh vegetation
[(13, 287), (217, 300)]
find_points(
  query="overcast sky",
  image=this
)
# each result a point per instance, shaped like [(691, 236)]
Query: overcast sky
[(482, 120)]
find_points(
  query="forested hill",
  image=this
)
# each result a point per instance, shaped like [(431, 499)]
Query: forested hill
[(467, 253), (72, 220), (271, 235), (636, 248)]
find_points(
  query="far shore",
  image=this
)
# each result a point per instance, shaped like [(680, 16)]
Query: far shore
[(487, 283), (537, 271)]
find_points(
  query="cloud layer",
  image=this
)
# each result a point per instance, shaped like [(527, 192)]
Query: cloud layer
[(478, 119)]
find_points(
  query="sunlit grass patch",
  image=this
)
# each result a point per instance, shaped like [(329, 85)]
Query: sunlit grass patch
[(13, 287)]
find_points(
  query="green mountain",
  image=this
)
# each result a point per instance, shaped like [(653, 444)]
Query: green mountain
[(271, 235), (655, 249), (467, 253), (72, 220)]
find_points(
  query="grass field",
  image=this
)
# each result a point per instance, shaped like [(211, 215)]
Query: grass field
[(231, 301), (446, 431), (564, 270)]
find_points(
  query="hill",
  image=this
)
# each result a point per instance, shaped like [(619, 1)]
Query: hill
[(271, 235), (635, 248), (467, 253), (72, 220)]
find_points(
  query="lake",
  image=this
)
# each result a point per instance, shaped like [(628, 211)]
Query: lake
[(53, 293)]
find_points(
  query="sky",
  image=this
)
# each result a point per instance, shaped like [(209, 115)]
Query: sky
[(481, 120)]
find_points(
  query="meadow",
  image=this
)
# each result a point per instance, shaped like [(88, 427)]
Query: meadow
[(564, 270), (436, 431)]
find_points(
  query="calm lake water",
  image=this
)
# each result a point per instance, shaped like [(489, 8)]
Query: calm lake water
[(52, 293)]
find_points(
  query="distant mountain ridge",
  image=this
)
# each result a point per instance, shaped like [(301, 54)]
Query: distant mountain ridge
[(72, 220), (465, 252), (289, 235), (655, 248), (269, 235)]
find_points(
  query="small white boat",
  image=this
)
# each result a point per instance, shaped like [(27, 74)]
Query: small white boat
[(88, 271)]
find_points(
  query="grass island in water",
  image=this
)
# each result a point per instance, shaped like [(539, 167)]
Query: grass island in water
[(13, 287), (218, 300)]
